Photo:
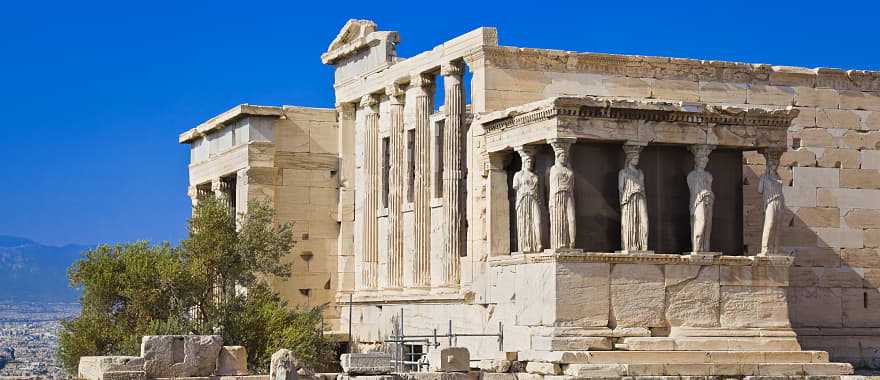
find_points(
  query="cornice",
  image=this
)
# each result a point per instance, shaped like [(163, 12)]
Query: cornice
[(654, 111), (511, 57)]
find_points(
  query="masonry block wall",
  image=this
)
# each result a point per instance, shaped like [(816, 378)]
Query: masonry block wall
[(306, 191), (832, 168)]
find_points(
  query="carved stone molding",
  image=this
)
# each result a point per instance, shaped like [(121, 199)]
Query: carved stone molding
[(578, 256), (648, 110), (672, 68), (455, 68), (422, 80)]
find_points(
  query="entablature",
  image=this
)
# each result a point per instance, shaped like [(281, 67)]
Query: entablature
[(636, 121)]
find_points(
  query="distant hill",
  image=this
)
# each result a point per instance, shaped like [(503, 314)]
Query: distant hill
[(30, 271)]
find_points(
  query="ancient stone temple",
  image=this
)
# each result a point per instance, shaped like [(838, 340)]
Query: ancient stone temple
[(608, 215)]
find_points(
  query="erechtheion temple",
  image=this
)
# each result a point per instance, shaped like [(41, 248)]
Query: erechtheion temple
[(580, 212)]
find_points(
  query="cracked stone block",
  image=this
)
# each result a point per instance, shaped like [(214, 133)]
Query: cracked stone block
[(180, 355), (371, 363)]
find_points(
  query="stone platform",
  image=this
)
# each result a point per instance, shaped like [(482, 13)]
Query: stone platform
[(578, 301)]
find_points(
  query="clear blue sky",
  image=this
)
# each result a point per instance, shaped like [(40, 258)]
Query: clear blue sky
[(96, 92)]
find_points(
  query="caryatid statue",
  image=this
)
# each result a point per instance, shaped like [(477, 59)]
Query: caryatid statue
[(528, 203), (702, 199), (633, 202), (561, 202), (770, 186)]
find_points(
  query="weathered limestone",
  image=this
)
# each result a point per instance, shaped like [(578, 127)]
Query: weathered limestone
[(771, 188), (563, 223), (99, 367), (395, 201), (371, 363), (370, 256), (422, 86), (454, 171), (231, 361), (449, 359), (180, 355), (285, 366), (633, 203), (528, 203), (549, 301), (702, 199)]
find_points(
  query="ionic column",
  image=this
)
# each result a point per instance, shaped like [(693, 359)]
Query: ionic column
[(422, 86), (372, 182), (453, 173), (395, 194)]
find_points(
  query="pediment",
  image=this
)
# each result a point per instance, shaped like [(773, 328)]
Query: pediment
[(352, 31)]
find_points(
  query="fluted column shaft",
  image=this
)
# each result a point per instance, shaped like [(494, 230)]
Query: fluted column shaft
[(372, 182), (395, 194), (423, 88), (453, 173)]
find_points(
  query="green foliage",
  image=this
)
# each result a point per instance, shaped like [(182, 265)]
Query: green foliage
[(136, 289)]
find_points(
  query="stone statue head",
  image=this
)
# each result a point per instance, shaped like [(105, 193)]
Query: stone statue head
[(772, 157), (701, 155), (526, 155), (528, 162), (700, 161), (562, 158), (632, 155)]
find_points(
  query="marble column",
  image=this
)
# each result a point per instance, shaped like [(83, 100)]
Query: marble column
[(563, 224), (372, 183), (422, 88), (453, 173), (770, 186), (395, 193), (702, 199)]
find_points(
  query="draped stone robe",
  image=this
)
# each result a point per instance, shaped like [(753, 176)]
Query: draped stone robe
[(633, 210), (562, 210), (701, 207), (771, 188), (528, 211)]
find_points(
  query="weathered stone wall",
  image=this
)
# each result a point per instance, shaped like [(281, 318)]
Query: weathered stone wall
[(831, 168), (306, 193), (287, 156)]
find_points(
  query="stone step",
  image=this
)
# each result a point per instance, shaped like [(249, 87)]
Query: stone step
[(674, 357), (702, 369), (709, 344)]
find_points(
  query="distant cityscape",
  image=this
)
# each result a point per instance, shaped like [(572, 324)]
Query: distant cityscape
[(29, 338)]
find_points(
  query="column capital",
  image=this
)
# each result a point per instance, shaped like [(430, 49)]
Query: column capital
[(561, 143), (526, 150), (631, 148), (454, 68), (772, 155), (395, 93), (701, 150), (421, 80), (346, 109), (370, 103)]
